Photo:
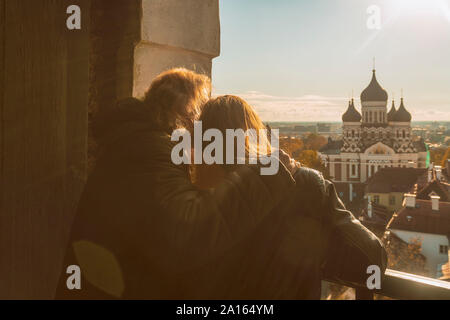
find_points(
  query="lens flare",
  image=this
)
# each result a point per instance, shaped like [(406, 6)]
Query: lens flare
[(419, 7)]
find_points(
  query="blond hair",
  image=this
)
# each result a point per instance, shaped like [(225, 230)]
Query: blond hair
[(230, 112), (176, 96)]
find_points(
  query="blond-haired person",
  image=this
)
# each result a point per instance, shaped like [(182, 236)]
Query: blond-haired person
[(142, 229), (309, 236)]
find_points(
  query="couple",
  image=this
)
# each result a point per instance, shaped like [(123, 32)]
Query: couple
[(149, 229)]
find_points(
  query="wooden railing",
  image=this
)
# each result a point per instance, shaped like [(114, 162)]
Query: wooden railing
[(406, 286)]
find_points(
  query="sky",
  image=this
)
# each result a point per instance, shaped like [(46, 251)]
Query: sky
[(300, 60)]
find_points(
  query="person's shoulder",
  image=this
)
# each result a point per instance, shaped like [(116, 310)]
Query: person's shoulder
[(307, 178), (150, 142)]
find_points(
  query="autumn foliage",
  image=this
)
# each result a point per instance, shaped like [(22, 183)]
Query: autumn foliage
[(406, 257), (305, 150), (439, 156)]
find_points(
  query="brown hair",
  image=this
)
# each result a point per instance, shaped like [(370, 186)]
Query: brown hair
[(176, 96), (229, 112)]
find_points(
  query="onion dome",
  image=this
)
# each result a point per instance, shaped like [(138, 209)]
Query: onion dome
[(351, 115), (402, 115), (374, 92), (392, 112)]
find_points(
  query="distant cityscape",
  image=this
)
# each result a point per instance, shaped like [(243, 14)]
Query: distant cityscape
[(391, 172), (435, 133)]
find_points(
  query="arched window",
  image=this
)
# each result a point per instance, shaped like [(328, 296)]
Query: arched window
[(353, 133), (404, 134)]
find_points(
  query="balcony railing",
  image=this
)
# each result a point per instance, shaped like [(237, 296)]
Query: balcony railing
[(406, 286)]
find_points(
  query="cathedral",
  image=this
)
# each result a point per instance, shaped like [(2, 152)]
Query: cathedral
[(372, 139)]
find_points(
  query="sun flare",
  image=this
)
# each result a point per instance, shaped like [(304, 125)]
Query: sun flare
[(419, 7)]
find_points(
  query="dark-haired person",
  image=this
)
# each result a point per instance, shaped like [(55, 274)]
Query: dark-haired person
[(142, 229), (308, 237)]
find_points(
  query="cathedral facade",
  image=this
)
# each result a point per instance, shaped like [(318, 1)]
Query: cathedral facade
[(372, 139)]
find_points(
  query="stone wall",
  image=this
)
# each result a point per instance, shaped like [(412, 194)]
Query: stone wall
[(176, 33), (44, 84), (52, 82)]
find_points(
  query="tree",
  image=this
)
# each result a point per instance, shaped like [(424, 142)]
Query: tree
[(311, 159), (406, 257), (292, 146), (437, 155), (314, 142), (305, 151), (445, 157)]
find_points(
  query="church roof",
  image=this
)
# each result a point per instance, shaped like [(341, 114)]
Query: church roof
[(374, 92), (392, 112), (402, 115), (351, 115)]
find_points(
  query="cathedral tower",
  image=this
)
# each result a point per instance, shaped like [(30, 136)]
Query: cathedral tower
[(374, 103)]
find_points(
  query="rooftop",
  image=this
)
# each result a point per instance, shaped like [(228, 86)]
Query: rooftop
[(388, 180), (423, 219), (374, 92), (437, 187)]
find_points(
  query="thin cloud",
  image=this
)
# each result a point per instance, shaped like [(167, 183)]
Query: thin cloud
[(323, 108), (303, 108)]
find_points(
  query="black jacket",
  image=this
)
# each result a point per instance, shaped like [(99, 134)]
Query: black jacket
[(142, 230)]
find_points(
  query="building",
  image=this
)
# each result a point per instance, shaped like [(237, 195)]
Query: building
[(429, 222), (323, 127), (306, 129), (445, 269), (373, 139), (388, 186)]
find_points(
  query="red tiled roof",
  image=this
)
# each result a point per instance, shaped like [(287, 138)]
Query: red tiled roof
[(423, 219), (388, 180), (440, 188)]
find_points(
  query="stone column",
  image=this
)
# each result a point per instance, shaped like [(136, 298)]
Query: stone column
[(175, 34)]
